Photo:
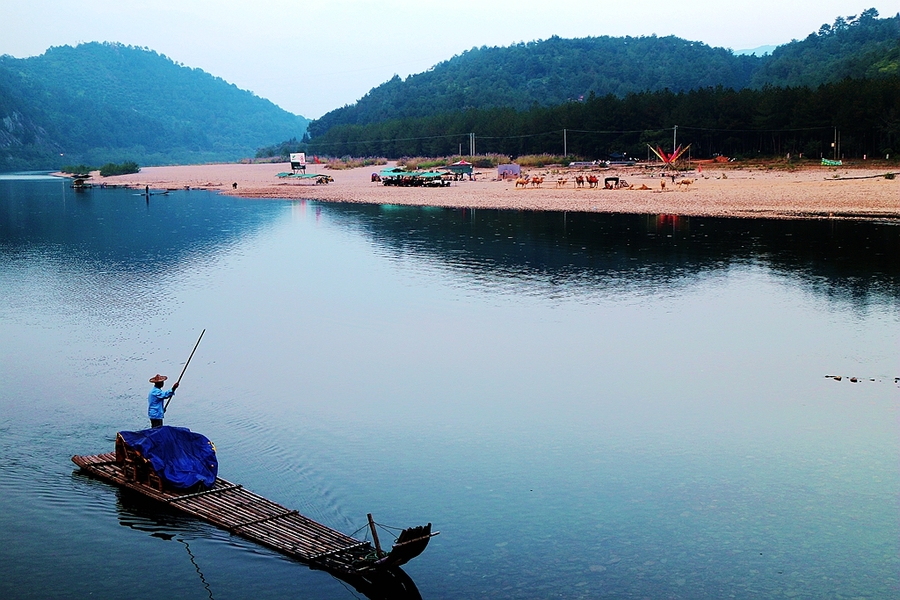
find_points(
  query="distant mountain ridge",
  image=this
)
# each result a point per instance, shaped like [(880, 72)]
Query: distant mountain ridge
[(554, 71), (102, 102), (758, 51)]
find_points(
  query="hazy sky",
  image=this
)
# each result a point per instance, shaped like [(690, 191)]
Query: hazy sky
[(311, 57)]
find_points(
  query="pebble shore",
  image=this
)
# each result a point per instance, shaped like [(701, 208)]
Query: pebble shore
[(851, 192)]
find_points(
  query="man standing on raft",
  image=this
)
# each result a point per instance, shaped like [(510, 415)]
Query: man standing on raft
[(157, 409)]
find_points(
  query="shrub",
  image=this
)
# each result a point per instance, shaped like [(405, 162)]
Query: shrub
[(412, 163), (541, 160), (482, 161), (347, 162), (126, 168), (76, 169)]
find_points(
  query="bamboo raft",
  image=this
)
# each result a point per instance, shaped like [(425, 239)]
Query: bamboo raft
[(246, 514)]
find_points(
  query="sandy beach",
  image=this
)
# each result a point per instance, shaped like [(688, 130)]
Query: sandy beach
[(849, 192)]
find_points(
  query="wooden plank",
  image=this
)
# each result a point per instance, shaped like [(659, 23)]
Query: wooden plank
[(204, 493), (263, 519)]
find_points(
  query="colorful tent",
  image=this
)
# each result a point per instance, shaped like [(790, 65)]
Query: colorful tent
[(667, 158), (461, 167)]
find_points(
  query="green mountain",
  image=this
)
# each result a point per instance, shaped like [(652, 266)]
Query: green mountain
[(853, 47), (555, 71), (103, 102), (547, 73)]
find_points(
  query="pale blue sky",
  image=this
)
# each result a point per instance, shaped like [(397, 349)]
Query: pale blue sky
[(312, 57)]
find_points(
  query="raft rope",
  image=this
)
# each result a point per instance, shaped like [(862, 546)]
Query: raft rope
[(197, 567), (387, 528), (373, 555)]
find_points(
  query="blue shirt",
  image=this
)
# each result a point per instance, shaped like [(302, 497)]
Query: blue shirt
[(155, 399)]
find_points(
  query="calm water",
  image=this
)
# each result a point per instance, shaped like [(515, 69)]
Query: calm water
[(584, 405)]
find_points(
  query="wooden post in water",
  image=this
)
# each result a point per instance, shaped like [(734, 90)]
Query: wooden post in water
[(375, 536)]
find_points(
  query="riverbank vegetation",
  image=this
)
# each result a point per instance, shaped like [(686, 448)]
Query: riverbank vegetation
[(853, 118), (126, 168), (347, 162), (77, 169)]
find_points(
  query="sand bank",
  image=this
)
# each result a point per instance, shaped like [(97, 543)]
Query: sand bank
[(717, 190)]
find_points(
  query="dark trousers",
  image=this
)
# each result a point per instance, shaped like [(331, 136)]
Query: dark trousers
[(154, 423)]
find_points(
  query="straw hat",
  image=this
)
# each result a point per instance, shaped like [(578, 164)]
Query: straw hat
[(158, 378)]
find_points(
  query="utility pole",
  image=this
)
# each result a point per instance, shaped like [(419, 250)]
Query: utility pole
[(565, 146), (674, 139), (834, 144)]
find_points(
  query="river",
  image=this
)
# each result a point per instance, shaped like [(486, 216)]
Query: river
[(584, 405)]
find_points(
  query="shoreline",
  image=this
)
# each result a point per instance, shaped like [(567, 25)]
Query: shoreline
[(740, 191)]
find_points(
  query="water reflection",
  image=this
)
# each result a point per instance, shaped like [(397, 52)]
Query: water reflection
[(546, 252), (120, 230), (140, 513), (848, 260), (107, 252)]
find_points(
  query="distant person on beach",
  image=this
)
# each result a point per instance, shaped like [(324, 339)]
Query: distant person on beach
[(234, 185), (157, 409)]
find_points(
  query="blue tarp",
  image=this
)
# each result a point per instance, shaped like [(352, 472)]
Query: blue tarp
[(180, 457)]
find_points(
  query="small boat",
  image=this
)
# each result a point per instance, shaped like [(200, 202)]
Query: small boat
[(81, 183), (178, 467)]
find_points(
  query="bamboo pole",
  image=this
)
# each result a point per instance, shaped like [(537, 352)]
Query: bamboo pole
[(185, 368)]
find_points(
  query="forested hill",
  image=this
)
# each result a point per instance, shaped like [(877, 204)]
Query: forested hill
[(556, 70), (548, 72), (105, 102), (858, 47)]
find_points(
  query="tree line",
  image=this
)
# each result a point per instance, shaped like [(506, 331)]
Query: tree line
[(862, 116)]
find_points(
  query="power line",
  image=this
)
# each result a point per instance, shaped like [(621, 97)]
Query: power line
[(822, 127), (385, 141), (469, 135)]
